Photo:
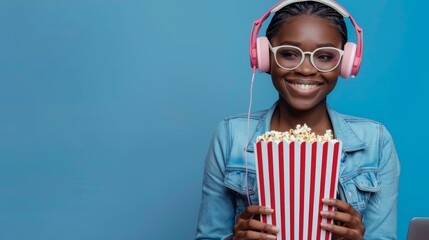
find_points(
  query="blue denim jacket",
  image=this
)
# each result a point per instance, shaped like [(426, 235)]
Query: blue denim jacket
[(369, 173)]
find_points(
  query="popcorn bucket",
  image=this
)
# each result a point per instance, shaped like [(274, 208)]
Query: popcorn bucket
[(292, 178)]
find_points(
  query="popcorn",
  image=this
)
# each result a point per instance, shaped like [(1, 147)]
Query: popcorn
[(300, 133)]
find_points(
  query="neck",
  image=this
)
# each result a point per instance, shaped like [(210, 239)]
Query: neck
[(285, 118)]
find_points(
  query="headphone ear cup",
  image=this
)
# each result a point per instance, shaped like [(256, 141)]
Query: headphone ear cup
[(263, 54), (348, 60)]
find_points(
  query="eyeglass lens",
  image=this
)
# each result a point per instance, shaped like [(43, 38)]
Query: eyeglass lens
[(324, 59)]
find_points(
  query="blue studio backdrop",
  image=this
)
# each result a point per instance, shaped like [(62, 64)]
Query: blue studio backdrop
[(107, 108)]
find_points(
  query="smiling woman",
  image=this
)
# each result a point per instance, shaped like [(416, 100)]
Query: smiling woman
[(308, 51), (307, 32)]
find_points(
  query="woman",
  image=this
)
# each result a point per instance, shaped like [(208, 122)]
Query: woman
[(369, 170)]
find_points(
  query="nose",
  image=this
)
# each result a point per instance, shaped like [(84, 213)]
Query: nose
[(306, 68)]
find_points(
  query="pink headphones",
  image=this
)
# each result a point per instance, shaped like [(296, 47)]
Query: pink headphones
[(260, 52)]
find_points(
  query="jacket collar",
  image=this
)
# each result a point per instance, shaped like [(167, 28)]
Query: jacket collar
[(342, 130), (344, 133)]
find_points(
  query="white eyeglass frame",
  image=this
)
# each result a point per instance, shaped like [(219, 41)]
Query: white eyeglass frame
[(274, 50)]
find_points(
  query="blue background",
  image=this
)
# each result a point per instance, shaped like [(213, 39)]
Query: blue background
[(107, 108)]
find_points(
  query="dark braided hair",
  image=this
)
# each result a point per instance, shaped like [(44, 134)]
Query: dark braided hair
[(309, 8)]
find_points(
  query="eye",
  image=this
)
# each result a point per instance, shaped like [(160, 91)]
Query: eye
[(288, 54), (326, 55)]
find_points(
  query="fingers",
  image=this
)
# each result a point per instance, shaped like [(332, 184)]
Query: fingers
[(248, 228), (255, 225), (341, 205), (253, 235), (343, 231), (351, 227), (345, 218), (250, 211)]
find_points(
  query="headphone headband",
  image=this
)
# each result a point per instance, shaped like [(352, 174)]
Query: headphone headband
[(357, 55), (340, 9)]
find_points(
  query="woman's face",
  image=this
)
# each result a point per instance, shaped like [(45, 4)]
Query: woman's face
[(305, 88)]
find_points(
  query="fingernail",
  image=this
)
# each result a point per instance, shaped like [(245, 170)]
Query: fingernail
[(324, 213), (269, 210), (326, 200), (325, 225), (275, 229), (271, 236)]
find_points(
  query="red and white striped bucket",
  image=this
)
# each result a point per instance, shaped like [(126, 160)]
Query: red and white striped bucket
[(292, 180)]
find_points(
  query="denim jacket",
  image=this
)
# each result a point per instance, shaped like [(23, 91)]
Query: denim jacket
[(369, 173)]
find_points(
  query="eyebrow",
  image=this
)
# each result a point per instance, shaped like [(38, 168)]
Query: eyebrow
[(297, 44)]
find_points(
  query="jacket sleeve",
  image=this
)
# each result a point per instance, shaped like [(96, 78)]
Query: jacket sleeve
[(217, 210), (380, 218)]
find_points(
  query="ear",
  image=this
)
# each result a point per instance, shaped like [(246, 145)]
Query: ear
[(263, 54)]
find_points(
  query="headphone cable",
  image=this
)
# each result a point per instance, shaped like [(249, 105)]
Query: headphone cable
[(248, 133)]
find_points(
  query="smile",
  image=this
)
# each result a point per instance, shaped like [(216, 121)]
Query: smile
[(304, 86)]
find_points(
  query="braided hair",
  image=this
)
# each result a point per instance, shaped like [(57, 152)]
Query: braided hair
[(309, 8)]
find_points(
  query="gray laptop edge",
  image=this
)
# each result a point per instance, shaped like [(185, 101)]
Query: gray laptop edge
[(418, 229)]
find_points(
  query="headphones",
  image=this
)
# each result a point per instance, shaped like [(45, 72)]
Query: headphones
[(259, 46)]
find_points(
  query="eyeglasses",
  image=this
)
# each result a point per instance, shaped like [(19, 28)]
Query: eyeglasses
[(324, 59)]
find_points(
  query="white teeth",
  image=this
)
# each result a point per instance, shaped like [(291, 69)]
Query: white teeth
[(305, 86)]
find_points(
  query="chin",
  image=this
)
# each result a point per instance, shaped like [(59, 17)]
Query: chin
[(303, 105)]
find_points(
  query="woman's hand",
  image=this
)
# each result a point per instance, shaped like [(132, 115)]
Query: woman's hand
[(351, 226), (248, 228)]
